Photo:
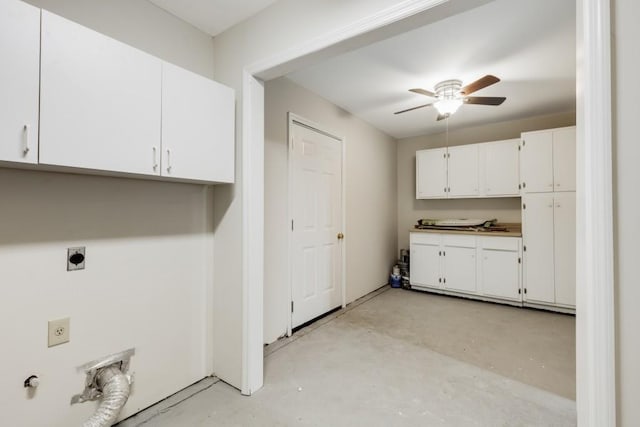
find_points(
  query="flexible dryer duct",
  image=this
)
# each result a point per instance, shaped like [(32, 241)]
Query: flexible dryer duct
[(115, 388)]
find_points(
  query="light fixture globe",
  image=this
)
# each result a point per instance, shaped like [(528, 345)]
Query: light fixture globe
[(449, 98)]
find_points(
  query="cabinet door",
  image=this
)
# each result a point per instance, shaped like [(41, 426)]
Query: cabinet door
[(197, 127), (425, 265), (100, 101), (463, 171), (459, 263), (564, 159), (500, 168), (431, 174), (501, 274), (536, 162), (564, 226), (538, 248), (19, 81)]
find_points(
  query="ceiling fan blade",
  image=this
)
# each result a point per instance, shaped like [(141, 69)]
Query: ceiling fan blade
[(442, 116), (485, 81), (485, 100), (410, 109), (423, 92)]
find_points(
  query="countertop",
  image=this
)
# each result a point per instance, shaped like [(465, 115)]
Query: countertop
[(514, 230)]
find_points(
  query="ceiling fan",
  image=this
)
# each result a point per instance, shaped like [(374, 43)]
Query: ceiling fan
[(450, 95)]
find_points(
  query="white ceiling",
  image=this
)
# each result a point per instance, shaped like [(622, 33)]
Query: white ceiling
[(213, 16), (528, 44)]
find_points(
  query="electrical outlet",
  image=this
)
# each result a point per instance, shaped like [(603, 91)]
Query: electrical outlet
[(59, 331)]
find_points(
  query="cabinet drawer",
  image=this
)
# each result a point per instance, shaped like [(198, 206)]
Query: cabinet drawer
[(459, 241), (500, 243), (425, 238)]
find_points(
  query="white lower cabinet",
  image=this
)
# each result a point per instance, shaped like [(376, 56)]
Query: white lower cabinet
[(549, 229), (500, 265), (459, 263), (485, 267)]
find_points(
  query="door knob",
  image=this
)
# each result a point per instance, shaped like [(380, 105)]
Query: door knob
[(340, 236)]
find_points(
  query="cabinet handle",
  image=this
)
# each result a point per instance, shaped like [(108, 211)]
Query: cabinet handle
[(524, 185), (444, 280), (155, 158), (444, 253), (439, 253), (168, 160), (26, 148), (439, 279)]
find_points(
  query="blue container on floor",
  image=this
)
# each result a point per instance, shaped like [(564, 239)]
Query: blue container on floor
[(395, 280)]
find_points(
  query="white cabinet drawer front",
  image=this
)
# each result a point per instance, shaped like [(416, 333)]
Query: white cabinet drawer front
[(459, 240), (425, 238), (500, 243), (100, 101)]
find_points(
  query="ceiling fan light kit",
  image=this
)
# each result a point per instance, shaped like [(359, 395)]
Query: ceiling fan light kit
[(450, 95)]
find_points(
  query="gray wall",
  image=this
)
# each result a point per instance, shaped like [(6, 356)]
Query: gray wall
[(626, 158), (141, 24), (370, 173), (504, 209)]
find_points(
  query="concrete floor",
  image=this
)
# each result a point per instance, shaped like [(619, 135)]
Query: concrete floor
[(401, 358)]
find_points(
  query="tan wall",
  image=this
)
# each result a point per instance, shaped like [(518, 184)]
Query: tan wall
[(504, 209), (370, 173), (626, 158)]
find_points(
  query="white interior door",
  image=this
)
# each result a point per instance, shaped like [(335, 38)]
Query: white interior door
[(316, 166), (538, 247), (564, 225)]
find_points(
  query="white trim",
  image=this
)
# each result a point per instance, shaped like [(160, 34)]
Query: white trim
[(291, 119), (252, 233), (595, 335), (378, 20)]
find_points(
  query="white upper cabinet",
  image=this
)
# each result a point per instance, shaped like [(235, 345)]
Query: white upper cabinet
[(499, 168), (431, 173), (548, 160), (463, 171), (197, 127), (489, 169), (19, 81), (564, 245), (100, 101), (536, 162), (564, 159)]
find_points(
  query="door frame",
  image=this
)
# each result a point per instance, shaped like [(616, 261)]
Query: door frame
[(595, 322), (293, 118)]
